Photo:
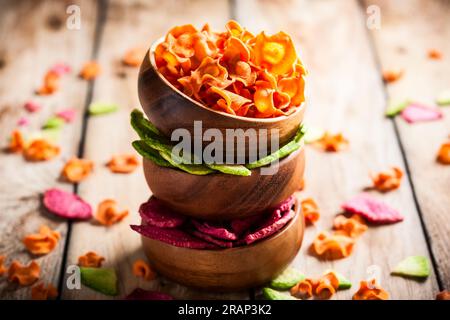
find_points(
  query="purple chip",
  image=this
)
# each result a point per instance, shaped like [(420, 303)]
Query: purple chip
[(66, 204), (269, 229), (216, 231), (172, 236), (373, 210), (211, 239), (155, 213), (141, 294)]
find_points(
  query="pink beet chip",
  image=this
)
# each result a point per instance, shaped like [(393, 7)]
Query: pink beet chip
[(68, 115), (66, 204), (211, 239), (418, 113), (155, 213), (269, 229), (172, 236), (23, 122), (239, 226), (372, 209), (32, 106), (141, 294), (61, 69), (216, 231)]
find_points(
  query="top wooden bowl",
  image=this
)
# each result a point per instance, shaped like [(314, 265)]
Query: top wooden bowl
[(169, 109)]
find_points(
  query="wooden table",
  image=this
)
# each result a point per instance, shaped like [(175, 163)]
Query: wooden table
[(345, 59)]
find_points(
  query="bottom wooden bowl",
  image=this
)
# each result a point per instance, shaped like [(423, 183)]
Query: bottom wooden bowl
[(231, 269)]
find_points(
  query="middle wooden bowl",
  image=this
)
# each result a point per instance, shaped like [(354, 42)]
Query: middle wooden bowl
[(223, 196)]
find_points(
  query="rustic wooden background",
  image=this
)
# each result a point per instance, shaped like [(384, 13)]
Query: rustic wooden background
[(345, 59)]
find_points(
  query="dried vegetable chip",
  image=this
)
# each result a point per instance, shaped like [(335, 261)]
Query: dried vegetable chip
[(103, 280), (332, 143), (392, 75), (108, 213), (50, 84), (443, 99), (142, 269), (66, 204), (32, 106), (76, 170), (24, 275), (43, 242), (287, 279), (155, 213), (395, 107), (435, 54), (234, 71), (42, 292), (54, 123), (61, 69), (443, 295), (332, 246), (444, 153), (3, 269), (141, 294), (90, 259), (151, 154), (23, 121), (327, 286), (370, 290), (387, 180), (271, 294), (304, 289), (90, 70), (268, 230), (310, 210), (99, 108), (373, 210), (134, 57), (216, 231), (418, 113), (211, 239), (68, 115), (351, 227), (344, 283), (41, 150), (123, 163), (16, 142), (414, 266)]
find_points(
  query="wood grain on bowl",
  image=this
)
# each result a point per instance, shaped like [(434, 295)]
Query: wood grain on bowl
[(223, 196), (170, 109), (231, 269)]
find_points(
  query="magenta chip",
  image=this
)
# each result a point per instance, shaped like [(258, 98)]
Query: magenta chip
[(172, 236), (61, 69), (68, 115), (269, 229), (239, 226), (216, 231), (66, 204), (32, 106), (141, 294), (417, 113), (372, 209), (211, 239), (155, 213)]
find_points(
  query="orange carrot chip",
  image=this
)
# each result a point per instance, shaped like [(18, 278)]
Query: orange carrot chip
[(16, 142), (370, 290), (24, 275), (327, 286), (435, 54), (392, 75), (350, 227), (310, 210), (42, 292), (43, 242), (134, 57), (90, 259), (142, 269), (443, 295), (387, 180), (332, 246), (50, 85), (123, 163), (332, 143), (76, 170), (90, 70), (108, 214), (3, 269), (444, 153), (40, 150), (304, 289)]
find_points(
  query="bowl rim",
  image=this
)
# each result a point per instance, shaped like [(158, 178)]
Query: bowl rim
[(151, 56), (298, 214)]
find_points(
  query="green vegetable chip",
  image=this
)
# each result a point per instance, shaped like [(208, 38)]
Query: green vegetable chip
[(414, 266), (103, 280), (271, 294), (287, 279), (99, 108)]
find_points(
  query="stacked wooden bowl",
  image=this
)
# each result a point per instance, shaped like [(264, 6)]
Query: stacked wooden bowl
[(219, 196)]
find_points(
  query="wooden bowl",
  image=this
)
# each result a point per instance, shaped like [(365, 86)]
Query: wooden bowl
[(228, 269), (223, 196), (169, 109)]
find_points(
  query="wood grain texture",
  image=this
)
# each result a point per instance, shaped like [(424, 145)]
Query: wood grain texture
[(346, 96), (409, 29), (34, 37), (128, 25)]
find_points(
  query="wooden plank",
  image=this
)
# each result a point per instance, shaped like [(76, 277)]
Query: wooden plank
[(408, 30), (34, 37), (137, 23), (346, 95)]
